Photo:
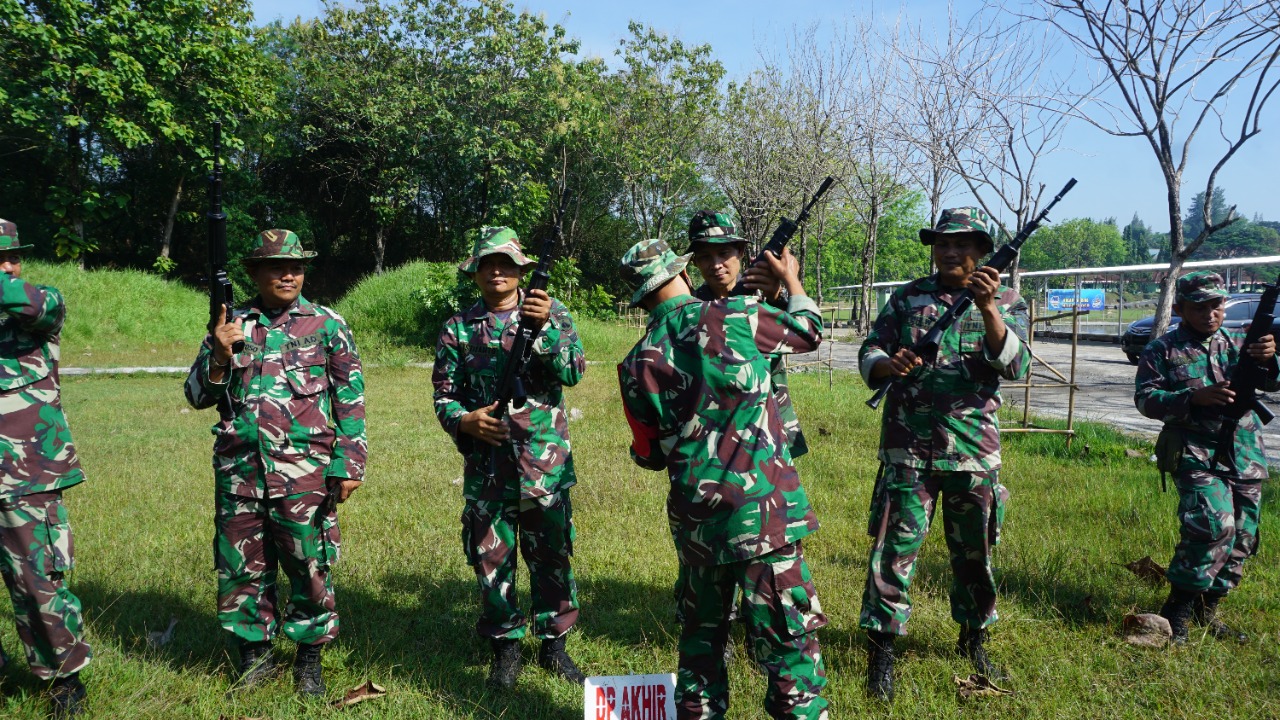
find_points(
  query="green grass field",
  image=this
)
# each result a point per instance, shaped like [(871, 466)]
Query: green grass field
[(143, 525)]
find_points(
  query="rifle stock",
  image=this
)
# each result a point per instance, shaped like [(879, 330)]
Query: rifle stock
[(1000, 261)]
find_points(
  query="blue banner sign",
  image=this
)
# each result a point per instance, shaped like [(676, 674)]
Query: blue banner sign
[(1066, 299)]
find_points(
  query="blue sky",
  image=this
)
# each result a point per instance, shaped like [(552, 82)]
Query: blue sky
[(1117, 176)]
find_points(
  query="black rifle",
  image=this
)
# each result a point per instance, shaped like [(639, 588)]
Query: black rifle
[(1246, 378), (927, 346), (220, 289), (510, 389), (783, 234)]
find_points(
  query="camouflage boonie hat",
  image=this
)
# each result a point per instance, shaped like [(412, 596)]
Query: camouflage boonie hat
[(713, 227), (9, 237), (1200, 286), (491, 240), (960, 220), (276, 244), (648, 265)]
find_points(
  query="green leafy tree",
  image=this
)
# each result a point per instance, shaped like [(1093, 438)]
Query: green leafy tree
[(91, 85), (660, 102), (1079, 242)]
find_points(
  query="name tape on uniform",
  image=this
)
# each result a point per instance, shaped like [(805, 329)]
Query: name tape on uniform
[(630, 697)]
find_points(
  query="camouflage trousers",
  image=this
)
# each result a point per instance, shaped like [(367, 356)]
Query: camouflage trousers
[(1219, 531), (544, 529), (254, 539), (972, 511), (782, 614), (35, 552)]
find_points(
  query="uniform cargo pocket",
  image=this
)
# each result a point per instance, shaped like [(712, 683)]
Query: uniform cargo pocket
[(798, 611)]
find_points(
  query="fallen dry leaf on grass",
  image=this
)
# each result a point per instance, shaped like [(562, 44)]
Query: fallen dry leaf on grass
[(368, 691), (1147, 630), (977, 686), (159, 639), (1130, 452), (1148, 569)]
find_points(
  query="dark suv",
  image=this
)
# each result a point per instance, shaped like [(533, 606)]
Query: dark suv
[(1240, 311)]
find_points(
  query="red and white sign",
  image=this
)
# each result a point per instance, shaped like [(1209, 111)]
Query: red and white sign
[(630, 697)]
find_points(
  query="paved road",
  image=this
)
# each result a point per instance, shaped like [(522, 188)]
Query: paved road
[(1104, 377)]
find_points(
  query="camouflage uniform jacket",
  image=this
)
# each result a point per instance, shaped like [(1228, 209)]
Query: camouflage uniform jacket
[(699, 400), (298, 371), (36, 452), (943, 416), (778, 372), (1177, 364), (470, 357)]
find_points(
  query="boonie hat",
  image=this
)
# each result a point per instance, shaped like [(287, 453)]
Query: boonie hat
[(1199, 286), (277, 244), (493, 240), (648, 265), (9, 236), (961, 220), (713, 227)]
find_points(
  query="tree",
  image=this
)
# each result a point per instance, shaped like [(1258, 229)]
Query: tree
[(1166, 70), (1138, 240), (87, 83), (1079, 242), (1194, 222), (660, 103), (1012, 132)]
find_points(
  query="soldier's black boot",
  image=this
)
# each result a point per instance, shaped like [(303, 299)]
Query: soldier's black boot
[(1205, 614), (1178, 610), (506, 663), (553, 659), (257, 664), (308, 675), (970, 645), (880, 657), (67, 697)]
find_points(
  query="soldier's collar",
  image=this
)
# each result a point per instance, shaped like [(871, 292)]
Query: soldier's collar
[(300, 306), (928, 283), (670, 304)]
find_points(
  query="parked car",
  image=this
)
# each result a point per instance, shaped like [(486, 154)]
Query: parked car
[(1240, 311)]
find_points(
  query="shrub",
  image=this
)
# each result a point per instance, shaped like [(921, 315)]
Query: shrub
[(404, 308)]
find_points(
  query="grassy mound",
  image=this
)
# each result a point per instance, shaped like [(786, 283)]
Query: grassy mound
[(124, 317), (396, 316)]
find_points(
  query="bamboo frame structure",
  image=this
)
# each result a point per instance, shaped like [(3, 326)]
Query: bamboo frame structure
[(1056, 381)]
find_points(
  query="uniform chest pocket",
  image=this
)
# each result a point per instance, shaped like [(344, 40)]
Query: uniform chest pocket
[(307, 370), (973, 361)]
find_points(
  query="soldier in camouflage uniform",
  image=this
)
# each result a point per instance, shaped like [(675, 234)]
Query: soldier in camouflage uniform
[(717, 251), (699, 400), (290, 444), (1183, 379), (37, 461), (527, 502), (940, 436)]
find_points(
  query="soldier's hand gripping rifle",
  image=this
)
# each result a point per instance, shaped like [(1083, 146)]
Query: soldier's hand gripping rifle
[(783, 234), (927, 346), (510, 389), (220, 289), (1247, 378)]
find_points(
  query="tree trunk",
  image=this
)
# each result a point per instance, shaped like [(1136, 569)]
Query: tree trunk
[(869, 268), (379, 248), (1164, 308), (167, 237)]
